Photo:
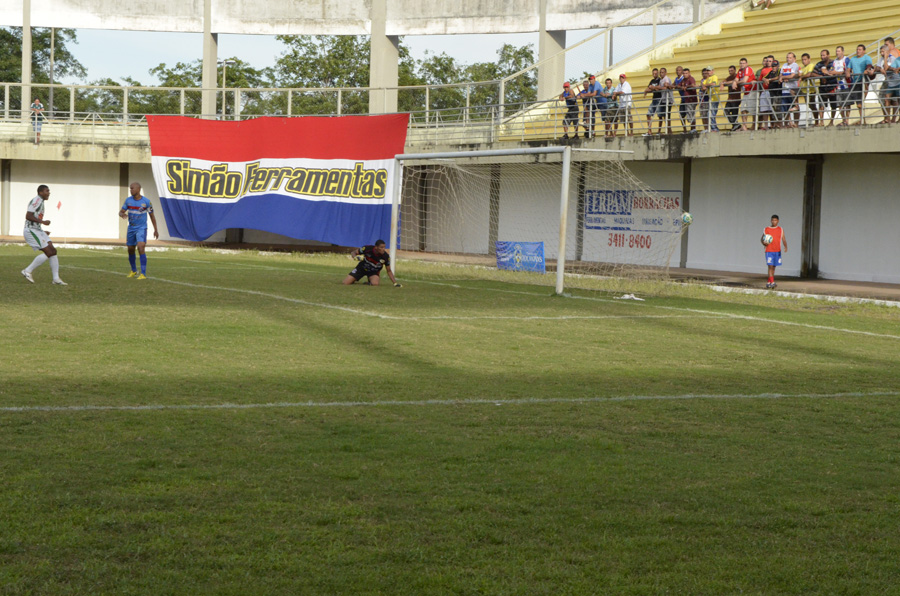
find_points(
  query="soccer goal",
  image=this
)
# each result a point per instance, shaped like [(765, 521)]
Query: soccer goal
[(552, 215)]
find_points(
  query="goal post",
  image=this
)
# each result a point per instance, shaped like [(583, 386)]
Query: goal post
[(454, 210)]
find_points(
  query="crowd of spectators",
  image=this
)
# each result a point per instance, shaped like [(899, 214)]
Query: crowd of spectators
[(771, 97)]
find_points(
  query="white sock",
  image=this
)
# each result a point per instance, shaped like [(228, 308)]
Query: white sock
[(37, 262), (54, 267)]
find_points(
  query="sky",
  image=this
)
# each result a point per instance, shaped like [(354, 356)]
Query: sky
[(136, 52)]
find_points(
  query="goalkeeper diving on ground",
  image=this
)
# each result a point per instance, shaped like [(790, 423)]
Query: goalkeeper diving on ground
[(372, 258)]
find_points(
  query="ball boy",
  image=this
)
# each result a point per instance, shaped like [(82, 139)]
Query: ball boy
[(773, 249)]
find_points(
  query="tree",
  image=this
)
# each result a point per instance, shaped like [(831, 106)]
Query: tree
[(64, 62), (325, 61), (511, 59)]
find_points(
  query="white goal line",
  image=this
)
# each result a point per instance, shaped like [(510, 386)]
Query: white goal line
[(446, 402)]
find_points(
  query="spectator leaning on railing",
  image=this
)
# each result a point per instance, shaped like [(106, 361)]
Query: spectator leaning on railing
[(775, 88), (709, 102), (889, 66), (764, 77), (656, 99), (827, 84), (612, 106), (861, 68), (689, 99), (667, 100), (571, 116), (840, 67), (733, 104), (37, 117), (746, 78), (789, 77), (623, 96), (588, 97), (809, 87), (892, 49)]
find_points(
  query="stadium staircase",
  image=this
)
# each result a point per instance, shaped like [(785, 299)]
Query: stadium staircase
[(788, 26)]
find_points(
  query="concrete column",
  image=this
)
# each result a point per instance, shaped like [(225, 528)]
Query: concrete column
[(26, 59), (685, 206), (494, 209), (384, 62), (552, 73), (5, 199), (812, 218), (210, 78), (124, 191)]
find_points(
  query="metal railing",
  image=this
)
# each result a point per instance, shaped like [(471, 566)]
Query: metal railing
[(631, 114), (582, 58)]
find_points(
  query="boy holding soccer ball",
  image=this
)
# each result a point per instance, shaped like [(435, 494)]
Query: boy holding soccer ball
[(773, 238), (372, 258)]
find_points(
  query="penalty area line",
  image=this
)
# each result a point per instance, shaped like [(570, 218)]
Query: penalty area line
[(446, 402), (709, 313), (394, 317)]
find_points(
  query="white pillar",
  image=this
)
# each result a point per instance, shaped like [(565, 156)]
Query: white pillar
[(26, 59), (384, 62), (210, 79), (551, 73)]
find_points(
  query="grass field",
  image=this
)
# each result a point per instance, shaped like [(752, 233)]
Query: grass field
[(243, 424)]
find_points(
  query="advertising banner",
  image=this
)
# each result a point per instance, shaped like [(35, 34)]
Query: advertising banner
[(311, 178), (633, 211), (521, 256)]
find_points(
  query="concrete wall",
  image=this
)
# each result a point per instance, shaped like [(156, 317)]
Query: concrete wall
[(860, 218), (89, 193), (732, 201), (333, 17)]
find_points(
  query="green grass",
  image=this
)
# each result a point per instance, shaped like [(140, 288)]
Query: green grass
[(477, 437)]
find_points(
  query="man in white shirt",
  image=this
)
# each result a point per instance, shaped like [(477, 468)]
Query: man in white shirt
[(38, 239), (789, 76), (840, 67), (623, 96), (668, 100)]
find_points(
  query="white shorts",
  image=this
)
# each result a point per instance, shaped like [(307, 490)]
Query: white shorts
[(765, 102), (36, 239), (749, 102)]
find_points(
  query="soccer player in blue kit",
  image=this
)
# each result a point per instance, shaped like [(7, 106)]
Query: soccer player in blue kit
[(136, 208)]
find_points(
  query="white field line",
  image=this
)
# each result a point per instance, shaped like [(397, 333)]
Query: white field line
[(685, 309), (822, 297), (591, 298), (252, 293), (394, 317), (447, 402)]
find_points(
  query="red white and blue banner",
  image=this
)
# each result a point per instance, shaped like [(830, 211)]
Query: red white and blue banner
[(311, 178)]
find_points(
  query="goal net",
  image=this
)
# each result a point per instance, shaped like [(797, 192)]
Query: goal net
[(499, 217)]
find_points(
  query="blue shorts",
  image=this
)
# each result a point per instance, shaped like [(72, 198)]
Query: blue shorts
[(136, 235), (773, 259)]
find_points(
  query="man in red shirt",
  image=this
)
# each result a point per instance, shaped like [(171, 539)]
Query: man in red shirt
[(746, 80), (773, 249)]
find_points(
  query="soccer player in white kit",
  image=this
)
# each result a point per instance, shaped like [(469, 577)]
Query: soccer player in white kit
[(38, 239)]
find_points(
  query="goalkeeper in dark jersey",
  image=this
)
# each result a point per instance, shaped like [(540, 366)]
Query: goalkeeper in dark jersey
[(371, 260)]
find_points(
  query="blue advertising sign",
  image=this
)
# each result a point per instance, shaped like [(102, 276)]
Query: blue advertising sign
[(521, 256), (632, 210)]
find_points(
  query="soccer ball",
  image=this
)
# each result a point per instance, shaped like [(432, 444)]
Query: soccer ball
[(767, 239), (686, 218)]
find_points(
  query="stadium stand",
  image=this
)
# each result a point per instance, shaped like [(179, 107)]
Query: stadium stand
[(788, 26)]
